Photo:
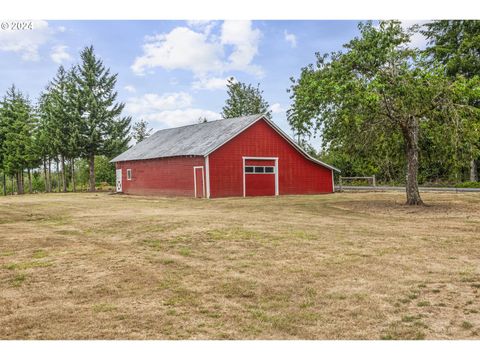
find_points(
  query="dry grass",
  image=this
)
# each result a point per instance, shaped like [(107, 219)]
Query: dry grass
[(340, 266)]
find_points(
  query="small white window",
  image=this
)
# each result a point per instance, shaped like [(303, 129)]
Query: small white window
[(129, 174)]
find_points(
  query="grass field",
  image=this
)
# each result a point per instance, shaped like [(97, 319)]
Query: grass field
[(339, 266)]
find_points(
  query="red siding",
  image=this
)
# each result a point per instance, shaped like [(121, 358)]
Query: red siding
[(297, 174), (168, 176)]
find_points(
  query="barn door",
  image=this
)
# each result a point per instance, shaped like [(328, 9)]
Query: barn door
[(260, 176), (199, 181), (118, 174)]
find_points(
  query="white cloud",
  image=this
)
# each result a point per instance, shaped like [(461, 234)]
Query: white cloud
[(182, 48), (199, 51), (204, 26), (277, 108), (417, 40), (214, 83), (245, 41), (167, 110), (59, 54), (149, 103), (180, 117), (291, 39), (26, 42), (130, 88)]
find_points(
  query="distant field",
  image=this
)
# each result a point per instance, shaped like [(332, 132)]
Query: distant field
[(339, 266)]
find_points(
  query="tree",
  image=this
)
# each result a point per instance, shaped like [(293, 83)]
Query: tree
[(140, 131), (244, 100), (16, 127), (2, 140), (456, 44), (64, 118), (378, 85), (102, 130)]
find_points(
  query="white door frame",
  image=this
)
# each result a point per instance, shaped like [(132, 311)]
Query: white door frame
[(118, 180), (195, 180), (260, 158)]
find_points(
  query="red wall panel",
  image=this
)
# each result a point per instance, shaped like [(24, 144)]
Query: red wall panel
[(169, 176), (297, 174)]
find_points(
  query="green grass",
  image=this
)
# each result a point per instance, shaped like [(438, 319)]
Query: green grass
[(18, 280), (423, 303), (103, 307)]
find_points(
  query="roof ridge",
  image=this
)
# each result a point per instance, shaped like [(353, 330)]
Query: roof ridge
[(208, 122)]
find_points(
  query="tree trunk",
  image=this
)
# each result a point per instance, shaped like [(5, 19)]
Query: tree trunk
[(4, 184), (64, 174), (58, 174), (91, 166), (45, 174), (29, 181), (410, 133), (473, 170), (49, 175), (19, 183), (13, 185), (73, 176)]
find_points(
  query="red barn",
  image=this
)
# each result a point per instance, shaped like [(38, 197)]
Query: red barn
[(246, 156)]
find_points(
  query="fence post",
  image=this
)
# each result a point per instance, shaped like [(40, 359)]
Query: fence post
[(374, 182), (340, 183)]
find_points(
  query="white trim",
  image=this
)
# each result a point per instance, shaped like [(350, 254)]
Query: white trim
[(195, 180), (207, 176), (333, 183), (281, 133), (277, 192), (118, 179)]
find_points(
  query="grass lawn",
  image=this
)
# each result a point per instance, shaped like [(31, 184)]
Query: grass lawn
[(339, 266)]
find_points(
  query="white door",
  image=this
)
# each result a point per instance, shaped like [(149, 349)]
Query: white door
[(119, 180)]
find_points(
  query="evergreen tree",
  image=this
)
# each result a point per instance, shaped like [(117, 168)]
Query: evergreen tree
[(244, 100), (102, 130), (456, 44), (140, 131), (17, 127)]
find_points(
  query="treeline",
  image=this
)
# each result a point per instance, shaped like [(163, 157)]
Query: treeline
[(384, 107), (75, 124)]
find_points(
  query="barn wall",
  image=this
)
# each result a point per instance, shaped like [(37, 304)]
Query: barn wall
[(297, 174), (169, 176)]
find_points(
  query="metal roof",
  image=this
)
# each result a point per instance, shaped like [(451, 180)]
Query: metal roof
[(197, 139), (200, 140)]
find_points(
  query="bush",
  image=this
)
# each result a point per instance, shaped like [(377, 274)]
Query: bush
[(468, 184)]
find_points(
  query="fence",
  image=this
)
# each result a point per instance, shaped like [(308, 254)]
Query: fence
[(374, 184)]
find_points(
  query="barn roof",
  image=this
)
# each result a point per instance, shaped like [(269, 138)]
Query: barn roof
[(197, 140)]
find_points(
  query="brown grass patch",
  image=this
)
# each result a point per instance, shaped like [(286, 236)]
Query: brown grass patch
[(340, 266)]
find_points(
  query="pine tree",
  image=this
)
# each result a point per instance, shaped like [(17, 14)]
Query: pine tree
[(45, 135), (17, 129), (244, 100), (140, 131), (64, 118), (101, 129)]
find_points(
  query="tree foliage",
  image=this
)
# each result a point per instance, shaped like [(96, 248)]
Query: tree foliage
[(376, 95), (140, 131), (244, 99), (77, 116), (102, 130)]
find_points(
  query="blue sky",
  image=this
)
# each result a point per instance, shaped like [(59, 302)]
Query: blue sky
[(172, 72)]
